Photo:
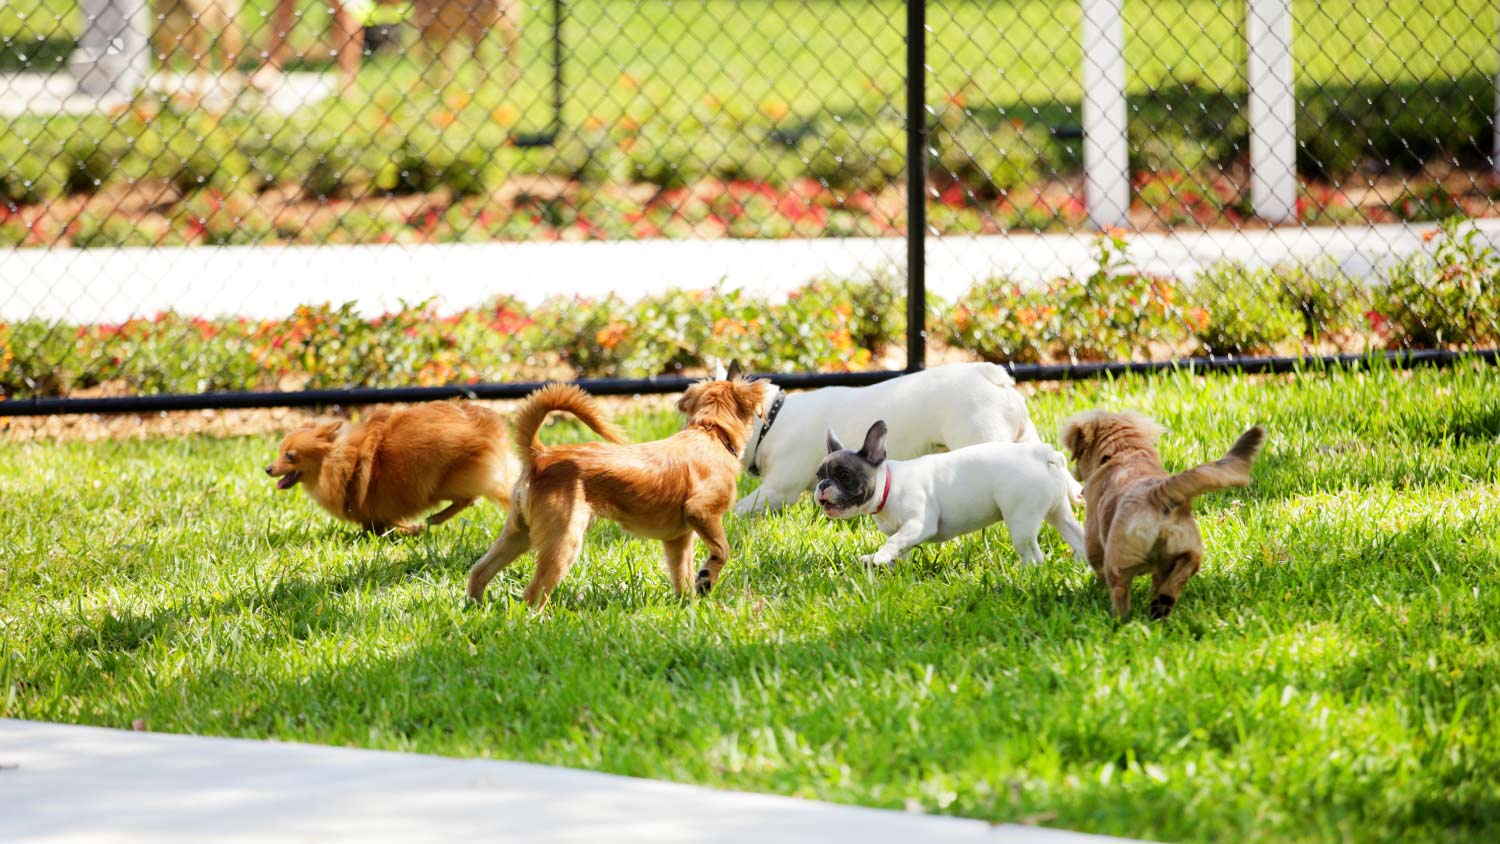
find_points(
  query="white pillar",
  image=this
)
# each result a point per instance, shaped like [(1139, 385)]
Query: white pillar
[(1495, 148), (1106, 147), (114, 49), (1273, 111)]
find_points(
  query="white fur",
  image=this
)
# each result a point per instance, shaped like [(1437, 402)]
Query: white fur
[(940, 496), (943, 408)]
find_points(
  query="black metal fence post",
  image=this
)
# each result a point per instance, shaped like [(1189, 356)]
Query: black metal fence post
[(916, 185)]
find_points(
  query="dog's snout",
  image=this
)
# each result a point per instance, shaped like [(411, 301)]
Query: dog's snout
[(823, 491), (270, 470)]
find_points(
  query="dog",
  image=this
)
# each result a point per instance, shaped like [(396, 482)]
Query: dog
[(943, 408), (439, 24), (204, 30), (668, 490), (1140, 519), (399, 463), (940, 496)]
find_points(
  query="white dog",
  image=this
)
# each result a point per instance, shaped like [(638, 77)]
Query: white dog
[(943, 408), (940, 496)]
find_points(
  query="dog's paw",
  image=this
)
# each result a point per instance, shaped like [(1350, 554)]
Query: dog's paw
[(704, 583), (1161, 607), (876, 560)]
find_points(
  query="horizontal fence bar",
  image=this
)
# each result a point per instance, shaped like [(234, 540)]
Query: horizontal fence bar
[(676, 383)]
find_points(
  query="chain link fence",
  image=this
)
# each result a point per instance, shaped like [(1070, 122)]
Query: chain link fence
[(304, 199)]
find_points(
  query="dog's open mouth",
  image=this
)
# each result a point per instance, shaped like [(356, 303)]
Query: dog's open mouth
[(289, 479), (833, 511)]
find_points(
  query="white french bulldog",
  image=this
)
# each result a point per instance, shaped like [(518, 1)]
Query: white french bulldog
[(940, 496), (943, 408)]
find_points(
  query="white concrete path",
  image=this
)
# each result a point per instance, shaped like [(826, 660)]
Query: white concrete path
[(85, 784), (111, 285), (57, 93)]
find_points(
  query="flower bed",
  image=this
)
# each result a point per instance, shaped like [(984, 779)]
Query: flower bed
[(1450, 298)]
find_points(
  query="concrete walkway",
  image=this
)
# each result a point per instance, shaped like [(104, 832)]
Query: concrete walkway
[(85, 784), (112, 285), (57, 93)]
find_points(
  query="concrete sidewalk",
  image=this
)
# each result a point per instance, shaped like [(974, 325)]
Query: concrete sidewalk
[(112, 285), (86, 784)]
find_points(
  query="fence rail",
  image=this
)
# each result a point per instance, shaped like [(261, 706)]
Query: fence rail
[(1005, 139)]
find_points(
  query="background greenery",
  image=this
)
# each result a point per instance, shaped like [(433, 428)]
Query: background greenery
[(669, 93)]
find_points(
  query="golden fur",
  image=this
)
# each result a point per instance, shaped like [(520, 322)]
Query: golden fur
[(1139, 518), (668, 490), (400, 463)]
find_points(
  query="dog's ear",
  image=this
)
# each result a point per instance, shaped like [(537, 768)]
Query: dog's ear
[(1074, 437), (750, 396), (689, 401), (874, 448), (329, 429), (719, 373), (833, 442), (735, 370)]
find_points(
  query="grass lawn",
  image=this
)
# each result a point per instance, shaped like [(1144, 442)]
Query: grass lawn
[(1331, 675)]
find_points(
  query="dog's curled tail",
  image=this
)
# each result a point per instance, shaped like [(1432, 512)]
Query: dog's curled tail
[(996, 374), (564, 397), (1233, 469)]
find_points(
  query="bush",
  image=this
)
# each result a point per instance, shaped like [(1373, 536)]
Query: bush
[(1239, 311), (1448, 298)]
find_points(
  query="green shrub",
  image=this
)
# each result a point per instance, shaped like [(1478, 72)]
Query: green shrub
[(1236, 310), (1448, 298)]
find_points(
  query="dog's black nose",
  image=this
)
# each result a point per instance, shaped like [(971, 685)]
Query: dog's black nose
[(268, 469)]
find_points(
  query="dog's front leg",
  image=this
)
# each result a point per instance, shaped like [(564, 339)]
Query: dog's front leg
[(912, 533), (453, 509), (766, 498)]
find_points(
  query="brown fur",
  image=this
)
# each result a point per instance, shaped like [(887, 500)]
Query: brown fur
[(669, 490), (400, 463), (1140, 519)]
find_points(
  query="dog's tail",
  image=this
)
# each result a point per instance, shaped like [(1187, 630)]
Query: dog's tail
[(564, 397), (996, 374), (1233, 469), (1072, 490)]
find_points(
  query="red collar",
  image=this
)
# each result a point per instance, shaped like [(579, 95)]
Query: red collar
[(887, 494)]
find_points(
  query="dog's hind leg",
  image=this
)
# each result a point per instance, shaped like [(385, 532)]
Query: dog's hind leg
[(1166, 587), (557, 547), (513, 541), (679, 562), (1061, 517), (456, 506), (711, 528)]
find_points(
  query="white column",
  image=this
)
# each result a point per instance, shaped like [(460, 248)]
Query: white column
[(1495, 148), (114, 49), (1106, 147), (1273, 111)]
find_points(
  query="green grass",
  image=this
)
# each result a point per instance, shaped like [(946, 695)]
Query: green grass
[(1331, 675)]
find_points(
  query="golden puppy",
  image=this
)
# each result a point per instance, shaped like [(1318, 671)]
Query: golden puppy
[(1140, 519), (669, 490), (400, 463)]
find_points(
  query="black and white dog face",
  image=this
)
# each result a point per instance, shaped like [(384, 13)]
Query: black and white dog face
[(847, 478)]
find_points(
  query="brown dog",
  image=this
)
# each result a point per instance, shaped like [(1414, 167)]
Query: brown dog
[(669, 489), (1139, 519), (398, 464)]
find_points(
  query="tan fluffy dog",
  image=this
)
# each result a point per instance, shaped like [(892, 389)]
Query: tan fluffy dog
[(398, 464), (669, 489), (1140, 519)]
